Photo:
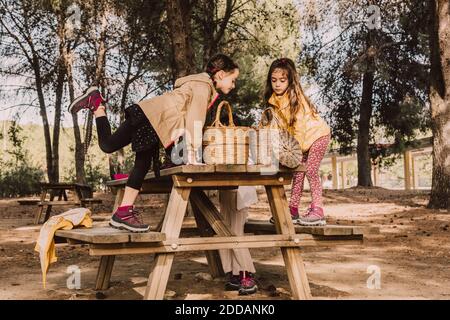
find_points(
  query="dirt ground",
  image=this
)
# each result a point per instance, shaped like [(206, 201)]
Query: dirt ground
[(412, 252)]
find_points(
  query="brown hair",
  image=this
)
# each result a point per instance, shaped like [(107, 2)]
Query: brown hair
[(220, 62), (294, 89)]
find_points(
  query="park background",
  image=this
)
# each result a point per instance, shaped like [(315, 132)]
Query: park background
[(377, 70)]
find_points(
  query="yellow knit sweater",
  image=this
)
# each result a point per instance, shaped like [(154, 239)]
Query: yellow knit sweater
[(308, 127)]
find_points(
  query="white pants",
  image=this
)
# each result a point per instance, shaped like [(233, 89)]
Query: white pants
[(234, 260)]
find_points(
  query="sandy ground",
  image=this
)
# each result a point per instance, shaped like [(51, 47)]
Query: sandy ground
[(412, 253)]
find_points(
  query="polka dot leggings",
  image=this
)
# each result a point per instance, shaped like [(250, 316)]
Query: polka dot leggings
[(312, 160)]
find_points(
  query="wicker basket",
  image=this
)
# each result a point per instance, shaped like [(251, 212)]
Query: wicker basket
[(225, 144), (275, 142)]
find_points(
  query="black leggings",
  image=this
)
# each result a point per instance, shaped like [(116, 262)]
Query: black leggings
[(122, 137)]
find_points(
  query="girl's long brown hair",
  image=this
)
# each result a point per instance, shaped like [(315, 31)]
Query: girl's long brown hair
[(294, 89)]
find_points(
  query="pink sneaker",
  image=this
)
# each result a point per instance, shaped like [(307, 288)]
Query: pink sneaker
[(314, 216), (248, 283), (129, 220), (91, 100), (294, 215)]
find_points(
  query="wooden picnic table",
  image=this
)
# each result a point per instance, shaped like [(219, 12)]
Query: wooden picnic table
[(188, 184), (82, 196)]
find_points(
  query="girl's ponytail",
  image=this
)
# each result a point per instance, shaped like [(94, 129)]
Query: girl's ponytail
[(220, 62)]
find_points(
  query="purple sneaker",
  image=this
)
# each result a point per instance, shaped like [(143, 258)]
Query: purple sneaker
[(313, 217), (248, 284), (91, 100), (130, 220), (234, 282)]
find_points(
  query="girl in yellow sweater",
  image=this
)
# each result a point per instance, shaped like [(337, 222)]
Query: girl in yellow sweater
[(283, 91)]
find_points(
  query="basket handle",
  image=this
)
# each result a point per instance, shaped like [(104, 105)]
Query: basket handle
[(277, 116), (217, 122)]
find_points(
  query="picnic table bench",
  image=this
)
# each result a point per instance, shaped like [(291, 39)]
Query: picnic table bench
[(187, 184), (28, 202), (82, 197)]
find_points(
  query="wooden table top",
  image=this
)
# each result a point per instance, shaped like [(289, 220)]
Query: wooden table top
[(61, 185), (209, 169)]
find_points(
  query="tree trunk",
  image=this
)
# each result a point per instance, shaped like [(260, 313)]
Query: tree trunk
[(79, 145), (59, 91), (365, 113), (123, 102), (43, 113), (213, 32), (208, 12), (179, 23), (440, 102), (99, 79)]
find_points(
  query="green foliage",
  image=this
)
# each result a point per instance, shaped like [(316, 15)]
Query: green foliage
[(396, 54), (20, 181), (95, 175), (256, 33), (17, 176)]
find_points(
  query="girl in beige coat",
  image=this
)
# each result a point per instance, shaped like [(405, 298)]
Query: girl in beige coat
[(161, 119)]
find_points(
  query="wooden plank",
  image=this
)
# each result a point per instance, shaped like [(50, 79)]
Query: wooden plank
[(28, 202), (407, 169), (159, 277), (95, 235), (104, 272), (168, 172), (231, 168), (57, 186), (228, 180), (365, 230), (257, 226), (118, 182), (147, 237), (280, 211), (118, 199), (205, 230), (173, 220), (49, 207), (208, 170), (188, 169), (59, 203), (176, 208), (210, 213), (156, 187), (292, 260), (259, 168), (108, 235), (296, 271), (217, 243), (91, 201), (343, 174), (40, 209), (334, 172)]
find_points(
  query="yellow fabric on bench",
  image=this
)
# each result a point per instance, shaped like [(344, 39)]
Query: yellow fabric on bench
[(45, 244)]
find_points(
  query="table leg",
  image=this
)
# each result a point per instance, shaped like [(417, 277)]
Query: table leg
[(160, 223), (118, 200), (49, 207), (205, 230), (173, 220), (40, 208), (104, 272), (295, 267), (210, 213)]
